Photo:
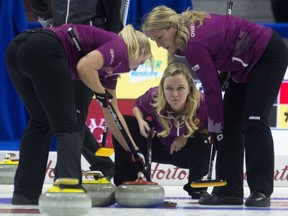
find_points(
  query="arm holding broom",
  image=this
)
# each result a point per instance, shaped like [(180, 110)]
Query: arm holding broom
[(88, 70)]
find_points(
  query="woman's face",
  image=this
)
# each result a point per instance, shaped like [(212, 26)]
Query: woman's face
[(164, 38), (134, 63), (176, 89)]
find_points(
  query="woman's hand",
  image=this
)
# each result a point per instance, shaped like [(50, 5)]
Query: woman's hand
[(104, 99), (144, 128), (143, 125), (178, 144)]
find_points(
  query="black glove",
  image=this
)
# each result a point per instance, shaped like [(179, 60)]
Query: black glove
[(224, 78), (138, 163), (216, 139), (104, 99)]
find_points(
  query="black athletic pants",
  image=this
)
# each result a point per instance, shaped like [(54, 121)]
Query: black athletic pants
[(40, 74), (194, 156), (247, 132)]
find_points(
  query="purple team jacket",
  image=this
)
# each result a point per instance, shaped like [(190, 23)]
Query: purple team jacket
[(144, 104), (223, 43), (109, 44)]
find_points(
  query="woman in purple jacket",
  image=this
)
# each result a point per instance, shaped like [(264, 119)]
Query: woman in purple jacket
[(42, 64), (256, 60), (178, 115)]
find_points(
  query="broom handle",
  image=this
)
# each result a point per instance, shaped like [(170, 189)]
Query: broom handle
[(229, 7), (211, 162), (228, 12), (149, 152), (105, 133), (127, 139)]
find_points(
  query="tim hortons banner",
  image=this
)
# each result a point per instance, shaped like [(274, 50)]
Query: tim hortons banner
[(166, 175)]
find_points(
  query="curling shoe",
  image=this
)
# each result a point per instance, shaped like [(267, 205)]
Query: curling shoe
[(257, 199), (18, 199), (214, 199), (195, 193)]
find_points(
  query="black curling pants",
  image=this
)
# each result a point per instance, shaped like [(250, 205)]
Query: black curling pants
[(246, 112), (40, 74), (194, 156)]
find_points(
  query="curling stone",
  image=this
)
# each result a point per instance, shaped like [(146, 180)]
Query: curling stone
[(65, 197), (8, 168), (101, 191), (139, 193)]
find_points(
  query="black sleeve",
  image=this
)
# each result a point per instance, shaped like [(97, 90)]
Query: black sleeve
[(40, 9), (113, 16)]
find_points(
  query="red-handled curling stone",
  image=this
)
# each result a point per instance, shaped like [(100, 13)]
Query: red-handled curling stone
[(101, 191), (8, 168), (139, 193)]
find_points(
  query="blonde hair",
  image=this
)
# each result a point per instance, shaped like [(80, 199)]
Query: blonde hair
[(137, 43), (163, 17), (192, 100)]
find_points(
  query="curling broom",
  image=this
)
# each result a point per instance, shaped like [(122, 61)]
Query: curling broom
[(209, 182)]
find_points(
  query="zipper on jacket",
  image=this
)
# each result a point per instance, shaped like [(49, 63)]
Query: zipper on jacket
[(67, 11)]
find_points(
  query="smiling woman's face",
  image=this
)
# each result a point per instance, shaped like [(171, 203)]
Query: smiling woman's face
[(164, 38)]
